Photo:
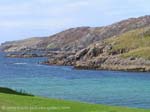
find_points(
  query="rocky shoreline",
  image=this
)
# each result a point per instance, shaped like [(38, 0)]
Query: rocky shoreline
[(124, 46), (103, 63), (117, 65), (136, 65), (24, 55), (98, 56)]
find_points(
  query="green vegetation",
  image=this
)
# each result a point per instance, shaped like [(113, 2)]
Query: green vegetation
[(19, 103), (52, 46), (134, 43), (14, 103), (139, 53), (10, 91)]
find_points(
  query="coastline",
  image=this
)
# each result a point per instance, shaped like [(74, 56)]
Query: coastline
[(112, 65)]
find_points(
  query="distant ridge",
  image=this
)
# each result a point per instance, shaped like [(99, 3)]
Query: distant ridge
[(75, 39)]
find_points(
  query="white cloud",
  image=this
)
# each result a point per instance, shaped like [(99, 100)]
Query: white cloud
[(60, 14), (40, 13)]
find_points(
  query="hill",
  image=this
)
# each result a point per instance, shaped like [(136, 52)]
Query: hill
[(128, 51), (75, 39), (121, 46)]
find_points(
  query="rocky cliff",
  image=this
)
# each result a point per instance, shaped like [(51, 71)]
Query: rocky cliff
[(129, 51)]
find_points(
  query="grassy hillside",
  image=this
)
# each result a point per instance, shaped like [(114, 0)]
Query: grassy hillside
[(135, 43), (10, 103), (10, 91), (138, 53)]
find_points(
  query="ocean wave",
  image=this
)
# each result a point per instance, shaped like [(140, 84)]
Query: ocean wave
[(20, 63)]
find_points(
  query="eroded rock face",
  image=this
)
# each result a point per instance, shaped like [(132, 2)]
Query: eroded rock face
[(115, 63), (61, 58), (98, 56), (105, 61)]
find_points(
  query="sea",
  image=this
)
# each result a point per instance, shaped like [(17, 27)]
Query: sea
[(117, 88)]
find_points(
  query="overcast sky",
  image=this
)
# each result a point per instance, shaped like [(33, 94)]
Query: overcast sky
[(30, 18)]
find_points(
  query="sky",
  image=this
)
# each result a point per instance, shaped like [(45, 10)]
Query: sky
[(20, 19)]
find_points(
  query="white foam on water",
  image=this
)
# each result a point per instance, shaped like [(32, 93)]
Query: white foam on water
[(20, 63)]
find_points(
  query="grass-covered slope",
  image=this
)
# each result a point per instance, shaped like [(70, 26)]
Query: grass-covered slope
[(139, 53), (134, 43), (10, 91), (15, 103)]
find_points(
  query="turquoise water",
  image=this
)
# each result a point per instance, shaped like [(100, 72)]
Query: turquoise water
[(130, 89)]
